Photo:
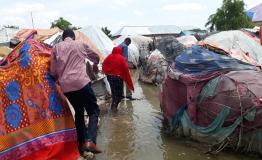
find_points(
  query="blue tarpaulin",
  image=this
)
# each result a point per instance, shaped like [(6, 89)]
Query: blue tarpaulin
[(255, 13), (197, 60)]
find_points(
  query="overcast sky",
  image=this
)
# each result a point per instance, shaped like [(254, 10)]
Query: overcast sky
[(111, 13)]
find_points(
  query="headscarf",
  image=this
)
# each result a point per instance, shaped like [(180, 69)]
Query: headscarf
[(115, 65)]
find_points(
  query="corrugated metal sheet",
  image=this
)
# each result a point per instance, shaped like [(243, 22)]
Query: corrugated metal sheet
[(148, 30)]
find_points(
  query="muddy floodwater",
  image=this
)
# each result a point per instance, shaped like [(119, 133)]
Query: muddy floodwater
[(136, 132)]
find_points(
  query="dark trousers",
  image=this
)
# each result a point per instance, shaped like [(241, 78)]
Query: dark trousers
[(84, 99), (116, 85)]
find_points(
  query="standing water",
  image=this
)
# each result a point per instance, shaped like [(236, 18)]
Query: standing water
[(136, 132)]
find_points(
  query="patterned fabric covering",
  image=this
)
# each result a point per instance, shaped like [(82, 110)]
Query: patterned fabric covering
[(35, 120), (199, 61)]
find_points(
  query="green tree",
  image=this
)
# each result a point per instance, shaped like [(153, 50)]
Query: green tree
[(231, 16), (107, 31), (63, 24)]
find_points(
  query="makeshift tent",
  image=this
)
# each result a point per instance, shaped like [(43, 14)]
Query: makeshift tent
[(187, 41), (237, 44), (56, 38), (197, 60), (35, 120), (169, 47), (149, 30), (42, 34), (154, 69), (99, 38), (99, 87), (255, 13), (214, 99), (253, 33), (80, 36), (221, 109)]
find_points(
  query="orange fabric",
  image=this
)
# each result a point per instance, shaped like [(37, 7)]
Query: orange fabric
[(42, 34), (36, 130), (115, 64), (34, 115)]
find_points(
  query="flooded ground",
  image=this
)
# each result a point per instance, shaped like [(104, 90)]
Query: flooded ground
[(136, 132)]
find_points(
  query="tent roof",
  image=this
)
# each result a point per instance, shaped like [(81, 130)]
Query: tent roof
[(132, 30), (148, 30), (255, 13), (42, 34), (237, 44), (138, 39), (100, 39)]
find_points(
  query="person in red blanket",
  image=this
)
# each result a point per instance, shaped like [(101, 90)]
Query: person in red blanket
[(116, 70)]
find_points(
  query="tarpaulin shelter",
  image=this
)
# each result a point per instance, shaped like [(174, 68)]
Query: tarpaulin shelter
[(154, 69), (215, 99), (255, 14), (220, 109), (99, 38), (35, 120), (169, 47), (187, 41), (80, 36), (198, 61), (42, 34), (235, 44), (54, 35)]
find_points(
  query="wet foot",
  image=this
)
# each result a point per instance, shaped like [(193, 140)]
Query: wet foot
[(88, 155)]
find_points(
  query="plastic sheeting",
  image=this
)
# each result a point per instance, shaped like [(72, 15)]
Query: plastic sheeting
[(169, 47), (54, 39), (84, 39), (42, 34), (154, 69), (187, 41), (100, 39), (200, 61), (240, 90), (255, 13), (237, 44), (222, 108)]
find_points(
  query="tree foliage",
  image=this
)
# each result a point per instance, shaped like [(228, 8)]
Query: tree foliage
[(63, 24), (107, 31), (231, 16)]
